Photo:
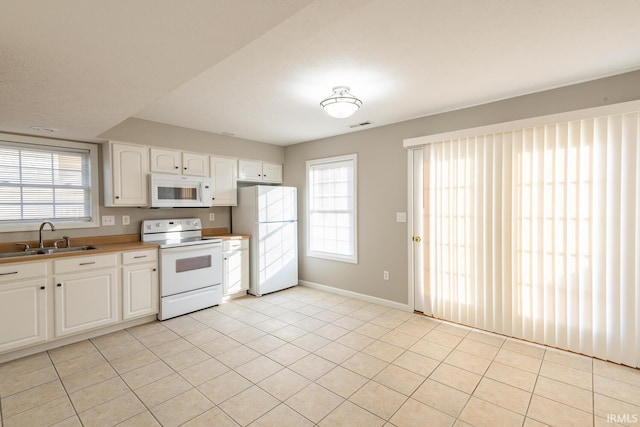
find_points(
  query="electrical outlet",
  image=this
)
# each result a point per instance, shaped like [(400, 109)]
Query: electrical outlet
[(212, 216), (385, 275), (108, 220), (126, 220)]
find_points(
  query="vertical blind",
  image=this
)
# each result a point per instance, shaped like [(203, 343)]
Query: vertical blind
[(40, 182), (535, 233)]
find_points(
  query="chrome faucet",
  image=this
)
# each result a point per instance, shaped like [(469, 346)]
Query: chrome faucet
[(41, 228)]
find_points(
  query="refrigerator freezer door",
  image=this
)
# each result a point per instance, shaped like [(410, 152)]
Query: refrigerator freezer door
[(277, 252), (276, 203)]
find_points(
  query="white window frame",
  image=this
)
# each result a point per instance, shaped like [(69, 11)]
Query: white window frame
[(328, 255), (94, 185)]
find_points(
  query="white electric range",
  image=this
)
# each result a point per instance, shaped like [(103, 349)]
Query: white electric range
[(190, 265)]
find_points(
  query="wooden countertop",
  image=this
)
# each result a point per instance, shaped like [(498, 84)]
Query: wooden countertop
[(103, 244), (231, 236), (108, 245)]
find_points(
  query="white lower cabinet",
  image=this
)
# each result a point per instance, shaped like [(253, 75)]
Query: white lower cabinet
[(235, 266), (23, 313), (85, 300), (45, 300), (139, 283)]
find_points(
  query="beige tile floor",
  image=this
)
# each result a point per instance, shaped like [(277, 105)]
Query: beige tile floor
[(303, 357)]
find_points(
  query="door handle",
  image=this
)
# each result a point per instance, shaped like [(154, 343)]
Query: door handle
[(417, 239)]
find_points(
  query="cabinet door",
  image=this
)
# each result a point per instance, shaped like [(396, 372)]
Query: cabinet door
[(85, 301), (232, 272), (244, 268), (249, 170), (139, 290), (225, 186), (23, 313), (195, 164), (272, 172), (166, 161), (130, 167)]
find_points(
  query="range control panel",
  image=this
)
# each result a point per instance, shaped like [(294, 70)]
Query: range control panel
[(151, 226)]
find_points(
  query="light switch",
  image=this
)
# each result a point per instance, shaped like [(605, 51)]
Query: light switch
[(212, 216), (126, 220), (401, 217)]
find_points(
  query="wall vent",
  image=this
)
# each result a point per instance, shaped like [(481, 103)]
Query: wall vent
[(360, 124)]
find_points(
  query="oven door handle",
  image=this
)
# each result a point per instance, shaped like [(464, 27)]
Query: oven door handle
[(187, 248)]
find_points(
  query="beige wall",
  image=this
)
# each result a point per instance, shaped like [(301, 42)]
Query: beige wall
[(382, 179), (157, 134)]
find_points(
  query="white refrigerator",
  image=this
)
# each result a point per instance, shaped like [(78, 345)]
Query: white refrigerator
[(270, 215)]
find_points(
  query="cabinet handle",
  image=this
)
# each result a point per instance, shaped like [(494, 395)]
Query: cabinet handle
[(59, 285), (6, 274), (140, 256), (42, 287), (259, 175), (177, 167), (87, 263), (185, 168), (117, 197), (213, 198), (155, 269)]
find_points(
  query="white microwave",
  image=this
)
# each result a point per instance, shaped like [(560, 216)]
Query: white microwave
[(175, 191)]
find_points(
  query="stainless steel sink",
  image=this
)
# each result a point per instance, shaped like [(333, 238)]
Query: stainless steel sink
[(63, 250), (45, 251), (18, 254)]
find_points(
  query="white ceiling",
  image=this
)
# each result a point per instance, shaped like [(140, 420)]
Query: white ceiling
[(259, 68)]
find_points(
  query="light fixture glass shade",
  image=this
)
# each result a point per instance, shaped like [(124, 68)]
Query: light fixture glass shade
[(341, 104)]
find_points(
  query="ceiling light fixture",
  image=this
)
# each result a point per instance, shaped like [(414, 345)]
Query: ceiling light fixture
[(341, 103)]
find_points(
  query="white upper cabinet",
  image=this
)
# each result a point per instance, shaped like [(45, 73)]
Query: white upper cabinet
[(166, 161), (195, 164), (224, 175), (257, 171), (271, 172), (178, 162), (126, 167), (249, 170)]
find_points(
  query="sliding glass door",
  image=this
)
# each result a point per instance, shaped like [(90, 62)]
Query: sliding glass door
[(535, 233)]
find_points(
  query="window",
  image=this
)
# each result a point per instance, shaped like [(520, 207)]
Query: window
[(331, 208), (47, 180)]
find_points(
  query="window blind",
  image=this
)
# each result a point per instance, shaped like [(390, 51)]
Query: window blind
[(535, 233), (331, 185), (43, 183)]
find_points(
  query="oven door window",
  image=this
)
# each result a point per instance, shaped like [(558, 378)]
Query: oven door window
[(194, 263), (177, 193)]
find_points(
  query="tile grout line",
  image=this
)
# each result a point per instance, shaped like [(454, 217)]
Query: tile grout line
[(53, 365), (535, 384)]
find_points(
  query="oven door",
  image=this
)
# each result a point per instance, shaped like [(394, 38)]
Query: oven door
[(186, 268)]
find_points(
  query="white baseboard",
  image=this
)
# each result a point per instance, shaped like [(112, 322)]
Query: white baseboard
[(356, 295)]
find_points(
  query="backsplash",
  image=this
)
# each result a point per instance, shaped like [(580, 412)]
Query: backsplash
[(136, 215)]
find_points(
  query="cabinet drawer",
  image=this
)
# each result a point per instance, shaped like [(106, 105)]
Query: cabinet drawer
[(22, 270), (82, 263), (133, 257), (235, 245)]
